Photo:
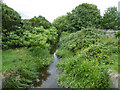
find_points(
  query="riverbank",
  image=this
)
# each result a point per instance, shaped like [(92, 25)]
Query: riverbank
[(87, 55), (20, 66), (47, 76)]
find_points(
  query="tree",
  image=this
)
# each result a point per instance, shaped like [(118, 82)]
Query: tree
[(40, 21), (111, 19), (84, 15), (11, 20), (62, 23)]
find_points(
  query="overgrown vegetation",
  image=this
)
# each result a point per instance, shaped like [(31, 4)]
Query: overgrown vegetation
[(11, 20), (32, 32), (87, 53), (37, 36), (111, 19), (86, 57), (26, 45), (20, 65)]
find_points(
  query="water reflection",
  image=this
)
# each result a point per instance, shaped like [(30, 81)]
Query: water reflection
[(44, 74), (47, 77)]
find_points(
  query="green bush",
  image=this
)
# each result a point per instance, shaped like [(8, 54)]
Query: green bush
[(81, 39), (64, 53), (117, 34), (62, 24), (38, 36)]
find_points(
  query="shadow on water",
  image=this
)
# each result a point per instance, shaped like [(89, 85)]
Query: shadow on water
[(42, 77)]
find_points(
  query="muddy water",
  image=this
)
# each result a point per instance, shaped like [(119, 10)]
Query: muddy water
[(47, 77)]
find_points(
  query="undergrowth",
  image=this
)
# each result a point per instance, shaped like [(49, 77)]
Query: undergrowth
[(24, 63), (86, 57)]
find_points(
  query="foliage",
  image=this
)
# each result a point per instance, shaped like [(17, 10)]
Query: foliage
[(80, 73), (23, 65), (64, 53), (32, 32), (62, 23), (26, 24), (93, 54), (86, 54), (38, 36), (81, 39), (84, 15), (117, 34), (11, 20), (111, 19), (37, 22)]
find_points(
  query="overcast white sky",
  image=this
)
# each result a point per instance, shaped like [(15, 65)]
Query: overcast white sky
[(51, 9)]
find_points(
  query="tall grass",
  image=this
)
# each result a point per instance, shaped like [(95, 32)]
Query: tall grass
[(20, 66)]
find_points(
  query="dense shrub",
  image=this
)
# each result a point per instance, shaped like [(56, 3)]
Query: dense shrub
[(36, 31), (81, 39), (84, 70), (38, 36)]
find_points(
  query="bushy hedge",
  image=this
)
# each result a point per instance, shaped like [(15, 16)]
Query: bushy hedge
[(81, 39), (38, 36), (16, 32), (81, 72)]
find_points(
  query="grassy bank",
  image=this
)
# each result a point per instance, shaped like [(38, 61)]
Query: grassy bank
[(20, 65), (87, 55)]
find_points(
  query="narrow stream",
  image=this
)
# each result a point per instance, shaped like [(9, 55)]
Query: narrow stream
[(47, 77)]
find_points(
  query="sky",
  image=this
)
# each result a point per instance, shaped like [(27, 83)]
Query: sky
[(51, 9)]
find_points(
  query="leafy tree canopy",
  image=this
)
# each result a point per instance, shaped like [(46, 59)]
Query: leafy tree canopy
[(10, 18), (84, 15), (111, 19), (40, 21), (62, 23)]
